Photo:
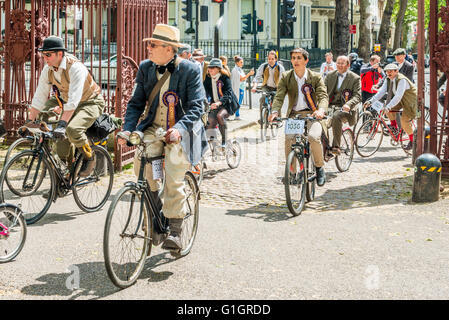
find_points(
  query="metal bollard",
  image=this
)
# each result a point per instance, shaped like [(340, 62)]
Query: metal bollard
[(426, 139), (427, 178)]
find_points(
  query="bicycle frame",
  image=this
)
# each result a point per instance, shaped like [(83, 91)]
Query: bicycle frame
[(4, 231), (379, 119)]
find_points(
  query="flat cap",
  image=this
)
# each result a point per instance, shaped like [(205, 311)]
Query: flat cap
[(391, 66), (399, 51)]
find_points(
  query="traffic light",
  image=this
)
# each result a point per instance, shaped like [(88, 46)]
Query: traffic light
[(288, 11), (247, 22), (187, 10), (259, 25), (218, 1)]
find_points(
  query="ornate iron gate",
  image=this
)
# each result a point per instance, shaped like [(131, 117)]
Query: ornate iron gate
[(106, 35)]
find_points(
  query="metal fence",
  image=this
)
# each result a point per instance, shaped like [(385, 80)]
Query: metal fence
[(106, 35)]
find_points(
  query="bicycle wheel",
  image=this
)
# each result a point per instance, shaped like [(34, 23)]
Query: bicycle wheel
[(127, 236), (92, 192), (233, 153), (344, 159), (404, 142), (263, 123), (17, 146), (13, 232), (311, 185), (28, 182), (369, 138), (190, 223), (363, 117), (295, 183)]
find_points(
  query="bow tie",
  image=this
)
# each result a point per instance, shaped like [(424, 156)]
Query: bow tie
[(169, 66), (341, 75)]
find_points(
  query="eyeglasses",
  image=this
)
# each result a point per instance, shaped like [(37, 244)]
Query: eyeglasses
[(47, 54), (153, 45)]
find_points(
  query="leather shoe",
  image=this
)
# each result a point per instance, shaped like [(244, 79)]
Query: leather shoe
[(173, 241), (320, 176)]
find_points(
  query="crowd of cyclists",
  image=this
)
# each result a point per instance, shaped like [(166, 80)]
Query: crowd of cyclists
[(177, 90)]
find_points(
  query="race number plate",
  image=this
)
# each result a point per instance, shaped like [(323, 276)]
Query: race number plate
[(377, 106), (294, 126), (157, 169)]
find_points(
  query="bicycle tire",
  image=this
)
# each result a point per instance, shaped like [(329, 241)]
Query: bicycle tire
[(188, 235), (370, 134), (12, 211), (30, 217), (198, 173), (100, 153), (300, 177), (347, 149), (311, 185), (263, 123), (129, 278), (15, 144), (233, 151)]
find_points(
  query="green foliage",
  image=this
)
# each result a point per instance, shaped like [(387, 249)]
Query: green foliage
[(411, 15)]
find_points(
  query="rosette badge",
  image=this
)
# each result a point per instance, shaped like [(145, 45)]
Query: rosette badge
[(307, 90), (346, 94), (170, 100)]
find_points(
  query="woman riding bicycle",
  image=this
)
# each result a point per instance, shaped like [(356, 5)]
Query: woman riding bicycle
[(222, 99)]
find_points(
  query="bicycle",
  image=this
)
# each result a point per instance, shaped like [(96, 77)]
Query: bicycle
[(370, 135), (31, 178), (300, 175), (265, 111), (141, 224), (13, 231)]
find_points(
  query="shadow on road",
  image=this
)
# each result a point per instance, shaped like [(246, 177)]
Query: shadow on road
[(375, 159), (94, 282)]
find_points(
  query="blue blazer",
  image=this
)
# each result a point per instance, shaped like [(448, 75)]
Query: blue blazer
[(186, 82)]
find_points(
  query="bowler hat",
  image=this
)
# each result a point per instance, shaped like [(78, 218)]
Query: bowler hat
[(215, 62), (53, 43), (399, 51)]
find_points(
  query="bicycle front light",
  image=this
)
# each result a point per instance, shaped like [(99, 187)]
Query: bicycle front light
[(136, 138)]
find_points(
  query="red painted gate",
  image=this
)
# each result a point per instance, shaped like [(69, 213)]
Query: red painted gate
[(106, 35)]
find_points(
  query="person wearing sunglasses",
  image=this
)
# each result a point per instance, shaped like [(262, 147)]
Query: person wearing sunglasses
[(78, 94), (168, 94)]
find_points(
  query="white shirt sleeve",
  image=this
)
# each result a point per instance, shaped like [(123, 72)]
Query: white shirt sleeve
[(402, 86), (259, 74), (42, 91), (78, 75), (382, 91)]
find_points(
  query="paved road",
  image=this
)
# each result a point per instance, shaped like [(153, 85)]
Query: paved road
[(360, 239)]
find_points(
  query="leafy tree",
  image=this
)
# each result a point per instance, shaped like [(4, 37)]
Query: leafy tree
[(342, 37), (385, 26)]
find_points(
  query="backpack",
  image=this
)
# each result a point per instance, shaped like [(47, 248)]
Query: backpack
[(103, 126)]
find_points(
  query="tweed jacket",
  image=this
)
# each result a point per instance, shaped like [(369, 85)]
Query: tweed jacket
[(186, 82), (288, 86), (352, 83)]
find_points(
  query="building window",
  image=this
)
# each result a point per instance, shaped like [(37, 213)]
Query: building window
[(315, 32)]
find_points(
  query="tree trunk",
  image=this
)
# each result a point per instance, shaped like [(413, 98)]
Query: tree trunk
[(341, 39), (364, 31), (399, 21), (384, 31)]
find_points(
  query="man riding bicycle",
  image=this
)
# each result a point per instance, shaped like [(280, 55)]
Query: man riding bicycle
[(79, 96), (307, 96), (176, 92), (401, 94), (343, 89)]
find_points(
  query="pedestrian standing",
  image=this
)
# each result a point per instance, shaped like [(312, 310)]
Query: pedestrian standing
[(328, 66), (238, 80), (224, 61)]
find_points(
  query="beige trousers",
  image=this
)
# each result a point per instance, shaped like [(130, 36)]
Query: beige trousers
[(176, 164), (406, 122), (314, 137)]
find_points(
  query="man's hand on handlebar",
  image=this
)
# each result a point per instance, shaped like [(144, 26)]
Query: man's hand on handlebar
[(172, 136), (273, 116), (120, 140), (319, 114)]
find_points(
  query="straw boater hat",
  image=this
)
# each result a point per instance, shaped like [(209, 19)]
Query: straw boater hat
[(167, 34), (198, 53)]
